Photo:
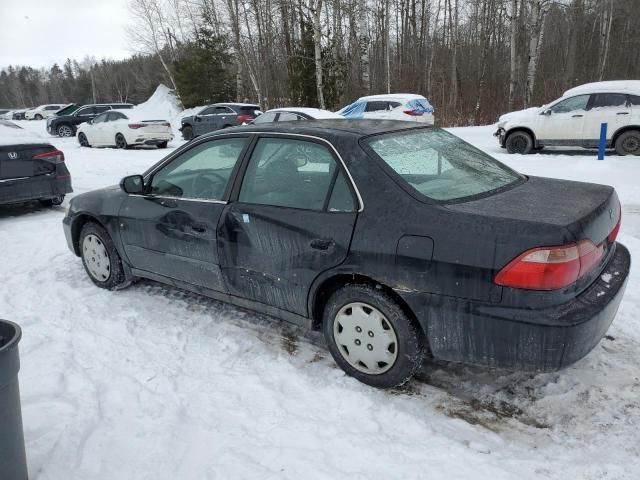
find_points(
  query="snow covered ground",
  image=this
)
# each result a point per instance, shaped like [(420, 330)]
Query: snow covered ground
[(155, 383)]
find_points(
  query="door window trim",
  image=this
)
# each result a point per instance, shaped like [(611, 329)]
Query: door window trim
[(238, 173)]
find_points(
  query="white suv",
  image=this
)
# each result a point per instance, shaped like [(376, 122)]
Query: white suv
[(575, 120), (41, 112), (394, 106)]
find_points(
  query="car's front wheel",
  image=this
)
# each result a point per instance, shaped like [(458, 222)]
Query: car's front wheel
[(38, 116), (187, 132), (162, 145), (628, 143), (371, 337), (100, 258), (82, 139), (65, 130), (519, 142)]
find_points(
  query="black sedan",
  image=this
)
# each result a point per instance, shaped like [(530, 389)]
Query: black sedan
[(30, 169), (394, 239)]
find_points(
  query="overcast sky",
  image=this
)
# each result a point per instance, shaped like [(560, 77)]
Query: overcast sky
[(40, 33)]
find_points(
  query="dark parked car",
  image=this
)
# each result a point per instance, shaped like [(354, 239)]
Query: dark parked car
[(30, 169), (395, 239), (218, 116), (66, 121)]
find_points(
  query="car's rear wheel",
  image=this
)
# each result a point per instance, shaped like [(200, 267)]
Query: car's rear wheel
[(519, 142), (187, 132), (628, 143), (121, 142), (162, 145), (65, 130), (38, 116), (100, 258), (371, 337), (50, 202), (82, 139)]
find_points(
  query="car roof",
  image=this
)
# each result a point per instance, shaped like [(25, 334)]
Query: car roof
[(611, 86), (327, 128), (395, 96), (227, 104), (314, 112)]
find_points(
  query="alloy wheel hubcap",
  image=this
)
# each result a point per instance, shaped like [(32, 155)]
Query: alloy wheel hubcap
[(120, 142), (365, 338), (65, 131), (96, 258), (631, 145), (519, 144)]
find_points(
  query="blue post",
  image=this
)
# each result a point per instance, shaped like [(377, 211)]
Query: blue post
[(603, 141)]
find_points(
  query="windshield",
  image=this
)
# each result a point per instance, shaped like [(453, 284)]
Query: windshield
[(440, 165)]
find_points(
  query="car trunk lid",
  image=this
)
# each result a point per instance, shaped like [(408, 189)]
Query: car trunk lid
[(549, 212), (17, 161)]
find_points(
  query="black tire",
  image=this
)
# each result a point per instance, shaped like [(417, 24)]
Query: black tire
[(82, 140), (162, 145), (38, 116), (121, 142), (65, 130), (187, 132), (117, 278), (410, 341), (50, 202), (628, 143), (519, 142)]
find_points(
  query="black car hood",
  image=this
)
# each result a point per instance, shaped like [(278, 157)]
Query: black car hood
[(584, 210)]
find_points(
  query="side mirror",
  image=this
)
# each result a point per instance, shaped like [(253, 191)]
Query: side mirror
[(547, 112), (133, 184), (197, 118), (90, 122)]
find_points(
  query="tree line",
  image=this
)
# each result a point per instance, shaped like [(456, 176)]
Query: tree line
[(473, 59)]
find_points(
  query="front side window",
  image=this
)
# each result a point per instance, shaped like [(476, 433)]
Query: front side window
[(202, 172), (289, 117), (441, 166), (290, 173), (571, 104), (266, 117), (100, 118), (609, 100), (85, 111)]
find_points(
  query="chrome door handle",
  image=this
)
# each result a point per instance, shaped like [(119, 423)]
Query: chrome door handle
[(576, 116), (622, 113)]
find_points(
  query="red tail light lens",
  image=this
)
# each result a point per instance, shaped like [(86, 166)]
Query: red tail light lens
[(614, 233), (135, 126), (244, 118), (413, 113), (55, 156)]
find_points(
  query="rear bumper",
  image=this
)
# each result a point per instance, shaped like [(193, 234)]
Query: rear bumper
[(529, 340), (152, 138), (33, 188)]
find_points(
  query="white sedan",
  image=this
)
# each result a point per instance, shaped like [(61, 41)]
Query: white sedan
[(115, 128)]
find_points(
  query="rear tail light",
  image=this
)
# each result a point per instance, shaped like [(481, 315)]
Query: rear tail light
[(55, 156), (552, 268), (135, 126), (244, 118), (413, 113)]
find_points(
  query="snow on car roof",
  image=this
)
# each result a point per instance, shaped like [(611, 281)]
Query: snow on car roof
[(400, 96), (612, 86), (134, 114), (317, 113)]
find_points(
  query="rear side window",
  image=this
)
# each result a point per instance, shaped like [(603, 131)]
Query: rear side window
[(376, 106), (102, 108), (441, 166), (208, 111), (289, 117), (85, 111), (251, 109), (223, 110), (289, 173), (609, 100), (634, 100)]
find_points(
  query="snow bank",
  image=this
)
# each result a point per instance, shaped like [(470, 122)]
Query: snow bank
[(628, 86), (162, 104)]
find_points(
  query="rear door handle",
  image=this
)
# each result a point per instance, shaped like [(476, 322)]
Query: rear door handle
[(322, 243), (622, 113), (576, 116)]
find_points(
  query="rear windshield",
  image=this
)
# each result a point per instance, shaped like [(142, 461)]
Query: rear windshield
[(440, 165)]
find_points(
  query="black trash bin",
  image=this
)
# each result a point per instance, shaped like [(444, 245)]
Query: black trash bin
[(13, 462)]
